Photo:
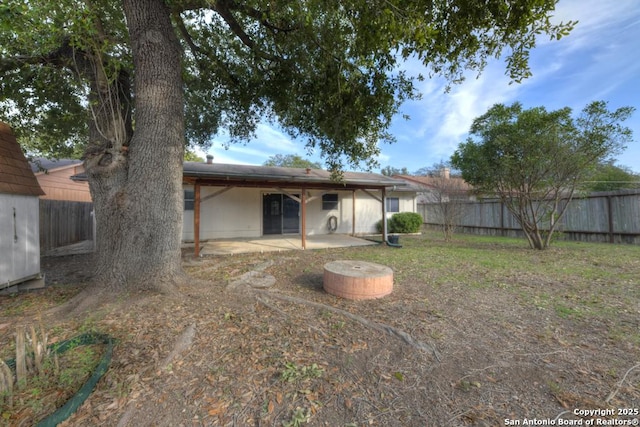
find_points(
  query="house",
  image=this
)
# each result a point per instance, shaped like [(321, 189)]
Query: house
[(62, 179), (19, 217), (434, 189), (440, 198), (241, 201)]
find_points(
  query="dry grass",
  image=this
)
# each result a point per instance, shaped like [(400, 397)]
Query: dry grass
[(521, 334)]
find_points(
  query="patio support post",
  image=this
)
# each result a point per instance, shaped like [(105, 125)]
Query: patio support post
[(196, 218), (384, 215), (303, 213), (353, 212)]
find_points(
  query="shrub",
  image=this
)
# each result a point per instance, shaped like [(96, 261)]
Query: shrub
[(379, 226), (404, 222)]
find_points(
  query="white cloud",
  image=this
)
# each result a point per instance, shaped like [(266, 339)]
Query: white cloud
[(464, 103), (275, 139), (598, 60)]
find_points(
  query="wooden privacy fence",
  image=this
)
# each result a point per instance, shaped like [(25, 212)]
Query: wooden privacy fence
[(63, 223), (612, 217)]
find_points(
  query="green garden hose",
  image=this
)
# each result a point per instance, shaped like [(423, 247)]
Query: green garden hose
[(81, 395)]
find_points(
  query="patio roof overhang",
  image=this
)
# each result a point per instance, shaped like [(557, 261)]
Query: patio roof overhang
[(267, 176)]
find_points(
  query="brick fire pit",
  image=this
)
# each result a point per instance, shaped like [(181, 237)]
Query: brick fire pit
[(357, 280)]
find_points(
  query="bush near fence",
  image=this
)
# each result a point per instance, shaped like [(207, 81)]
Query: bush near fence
[(612, 216)]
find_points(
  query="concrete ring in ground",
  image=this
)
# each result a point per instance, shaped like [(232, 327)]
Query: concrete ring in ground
[(357, 280)]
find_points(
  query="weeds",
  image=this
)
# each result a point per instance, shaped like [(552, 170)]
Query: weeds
[(293, 372), (42, 380), (300, 416)]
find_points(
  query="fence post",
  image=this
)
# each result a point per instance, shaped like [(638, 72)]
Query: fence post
[(610, 214)]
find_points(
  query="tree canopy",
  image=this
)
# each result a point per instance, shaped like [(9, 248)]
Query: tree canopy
[(135, 81), (608, 176), (534, 159), (390, 171), (291, 161), (327, 71)]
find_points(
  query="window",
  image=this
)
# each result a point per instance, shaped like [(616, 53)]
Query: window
[(189, 196), (329, 202), (393, 204)]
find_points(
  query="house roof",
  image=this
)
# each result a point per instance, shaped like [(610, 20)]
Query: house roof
[(221, 173), (16, 176), (43, 165), (430, 183), (249, 175)]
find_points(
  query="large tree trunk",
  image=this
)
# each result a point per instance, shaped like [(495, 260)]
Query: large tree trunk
[(136, 182)]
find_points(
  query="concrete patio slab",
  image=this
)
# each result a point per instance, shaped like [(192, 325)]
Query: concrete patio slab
[(279, 244)]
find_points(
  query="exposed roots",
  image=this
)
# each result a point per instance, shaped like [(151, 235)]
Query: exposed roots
[(94, 298), (181, 345), (381, 327), (615, 391)]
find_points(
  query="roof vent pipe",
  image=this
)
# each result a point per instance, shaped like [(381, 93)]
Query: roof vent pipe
[(209, 159)]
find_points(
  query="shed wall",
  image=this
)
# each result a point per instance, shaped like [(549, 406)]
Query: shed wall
[(19, 238)]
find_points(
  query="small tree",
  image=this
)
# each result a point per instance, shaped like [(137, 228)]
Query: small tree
[(451, 195), (533, 159), (448, 193)]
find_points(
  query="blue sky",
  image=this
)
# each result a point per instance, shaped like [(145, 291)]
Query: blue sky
[(599, 60)]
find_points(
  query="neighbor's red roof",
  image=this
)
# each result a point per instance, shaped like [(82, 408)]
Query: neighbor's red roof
[(16, 176)]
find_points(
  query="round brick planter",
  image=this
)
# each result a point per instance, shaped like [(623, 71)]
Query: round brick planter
[(357, 280)]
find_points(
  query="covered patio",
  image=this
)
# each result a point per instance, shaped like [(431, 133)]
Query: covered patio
[(279, 244), (268, 207)]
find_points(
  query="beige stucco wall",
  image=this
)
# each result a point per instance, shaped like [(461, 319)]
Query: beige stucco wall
[(238, 212), (234, 213), (368, 211)]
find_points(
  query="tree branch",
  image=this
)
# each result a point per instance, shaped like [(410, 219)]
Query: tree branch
[(260, 17), (61, 57), (223, 9), (197, 50)]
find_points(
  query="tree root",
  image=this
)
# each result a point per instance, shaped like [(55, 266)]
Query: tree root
[(617, 389), (381, 327), (181, 345), (93, 298)]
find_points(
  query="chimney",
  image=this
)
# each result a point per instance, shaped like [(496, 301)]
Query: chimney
[(445, 173), (209, 159)]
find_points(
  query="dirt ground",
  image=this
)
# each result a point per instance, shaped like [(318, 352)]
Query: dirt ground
[(229, 354)]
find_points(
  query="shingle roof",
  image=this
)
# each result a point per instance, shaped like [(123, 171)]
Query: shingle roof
[(434, 182), (222, 171), (41, 164), (16, 176)]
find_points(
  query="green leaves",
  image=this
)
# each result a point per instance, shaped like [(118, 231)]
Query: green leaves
[(532, 159), (327, 72), (291, 161)]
